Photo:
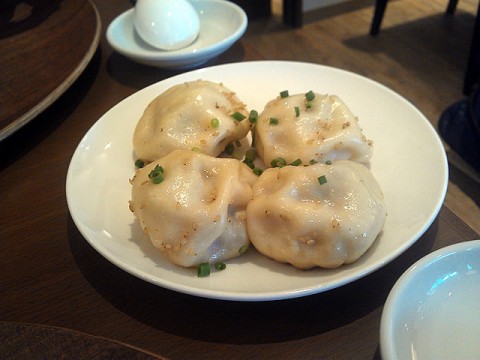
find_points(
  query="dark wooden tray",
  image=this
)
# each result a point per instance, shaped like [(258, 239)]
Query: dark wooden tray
[(31, 341), (45, 45)]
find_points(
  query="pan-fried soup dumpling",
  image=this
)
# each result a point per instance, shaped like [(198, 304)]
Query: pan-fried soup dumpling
[(192, 115), (310, 127), (320, 215), (196, 212)]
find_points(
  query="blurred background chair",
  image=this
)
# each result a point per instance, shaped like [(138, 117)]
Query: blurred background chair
[(381, 5), (472, 72), (293, 12)]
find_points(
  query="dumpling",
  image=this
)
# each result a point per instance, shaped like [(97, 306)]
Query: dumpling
[(193, 206), (199, 115), (310, 127), (320, 215)]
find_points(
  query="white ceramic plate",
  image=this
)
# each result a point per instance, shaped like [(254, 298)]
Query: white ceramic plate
[(409, 162), (433, 311), (221, 24)]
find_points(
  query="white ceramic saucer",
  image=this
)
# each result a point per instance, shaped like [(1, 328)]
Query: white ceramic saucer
[(221, 24), (433, 311)]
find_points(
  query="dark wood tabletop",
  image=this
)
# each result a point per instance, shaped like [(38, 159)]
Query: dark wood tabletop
[(54, 285)]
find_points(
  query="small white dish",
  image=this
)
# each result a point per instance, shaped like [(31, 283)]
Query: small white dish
[(433, 311), (221, 24)]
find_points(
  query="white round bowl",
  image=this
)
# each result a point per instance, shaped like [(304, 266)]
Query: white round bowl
[(433, 310), (221, 24)]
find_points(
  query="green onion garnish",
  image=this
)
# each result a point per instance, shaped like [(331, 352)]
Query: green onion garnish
[(284, 94), (196, 149), (238, 116), (278, 162), (249, 163), (313, 161), (220, 266), (253, 117), (156, 175), (310, 95), (273, 121), (297, 111), (250, 154), (139, 163), (203, 270), (229, 149), (328, 162), (243, 249), (257, 171), (296, 162), (322, 179), (215, 123)]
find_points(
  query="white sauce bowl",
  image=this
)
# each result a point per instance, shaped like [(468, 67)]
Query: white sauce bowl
[(433, 310)]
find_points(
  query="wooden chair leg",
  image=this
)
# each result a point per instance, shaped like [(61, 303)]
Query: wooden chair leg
[(293, 13), (380, 6), (452, 5)]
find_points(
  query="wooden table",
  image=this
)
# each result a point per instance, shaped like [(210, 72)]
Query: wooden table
[(51, 276)]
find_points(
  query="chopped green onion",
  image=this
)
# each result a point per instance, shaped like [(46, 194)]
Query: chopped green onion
[(328, 162), (313, 161), (157, 179), (322, 179), (215, 123), (297, 111), (249, 163), (308, 105), (253, 117), (284, 94), (310, 95), (196, 149), (250, 154), (243, 249), (273, 121), (296, 162), (278, 162), (229, 149), (220, 266), (257, 171), (203, 269), (156, 175), (238, 116), (139, 163)]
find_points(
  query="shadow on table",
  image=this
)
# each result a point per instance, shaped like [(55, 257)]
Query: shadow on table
[(229, 322), (464, 176), (447, 37)]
